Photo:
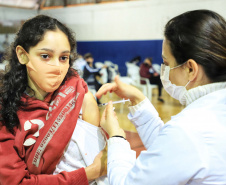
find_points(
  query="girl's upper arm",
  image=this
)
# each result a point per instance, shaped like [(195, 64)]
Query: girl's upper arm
[(90, 110)]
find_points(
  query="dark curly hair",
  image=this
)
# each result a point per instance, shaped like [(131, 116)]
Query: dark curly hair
[(14, 82), (199, 35)]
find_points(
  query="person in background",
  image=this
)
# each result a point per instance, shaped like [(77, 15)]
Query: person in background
[(135, 60), (191, 147), (6, 44), (79, 64), (41, 100), (148, 71), (91, 73)]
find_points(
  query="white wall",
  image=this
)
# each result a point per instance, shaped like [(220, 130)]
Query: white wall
[(14, 14), (135, 20), (130, 20)]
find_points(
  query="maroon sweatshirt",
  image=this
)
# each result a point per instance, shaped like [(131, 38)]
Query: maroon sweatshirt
[(30, 155)]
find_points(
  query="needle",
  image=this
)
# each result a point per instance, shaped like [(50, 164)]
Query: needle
[(114, 102)]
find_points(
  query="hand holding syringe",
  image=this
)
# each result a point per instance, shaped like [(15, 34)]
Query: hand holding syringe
[(114, 102)]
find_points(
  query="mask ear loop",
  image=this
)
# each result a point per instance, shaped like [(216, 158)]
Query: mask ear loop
[(178, 65), (187, 84)]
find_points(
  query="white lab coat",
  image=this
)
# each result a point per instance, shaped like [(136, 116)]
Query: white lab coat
[(189, 149)]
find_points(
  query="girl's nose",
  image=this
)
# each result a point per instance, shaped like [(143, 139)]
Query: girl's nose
[(54, 62)]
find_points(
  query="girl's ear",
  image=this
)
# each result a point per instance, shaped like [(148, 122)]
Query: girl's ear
[(22, 55), (193, 69)]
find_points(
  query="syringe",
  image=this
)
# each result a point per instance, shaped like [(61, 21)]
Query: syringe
[(114, 102)]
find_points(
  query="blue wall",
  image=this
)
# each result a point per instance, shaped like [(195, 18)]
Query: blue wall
[(121, 51)]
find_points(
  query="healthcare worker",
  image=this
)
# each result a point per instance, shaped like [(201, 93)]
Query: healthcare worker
[(191, 147)]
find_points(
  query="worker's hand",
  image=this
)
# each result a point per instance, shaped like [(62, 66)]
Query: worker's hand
[(109, 122), (99, 166), (122, 90)]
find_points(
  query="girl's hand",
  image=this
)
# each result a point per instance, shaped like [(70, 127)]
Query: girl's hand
[(99, 166)]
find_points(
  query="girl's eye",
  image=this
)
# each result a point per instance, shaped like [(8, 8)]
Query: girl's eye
[(64, 58), (45, 56)]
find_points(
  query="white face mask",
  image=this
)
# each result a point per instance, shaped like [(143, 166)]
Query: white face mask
[(177, 92)]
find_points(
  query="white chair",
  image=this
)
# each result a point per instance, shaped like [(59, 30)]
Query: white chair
[(157, 68), (2, 66), (133, 73), (126, 79), (103, 72), (108, 63), (113, 69)]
